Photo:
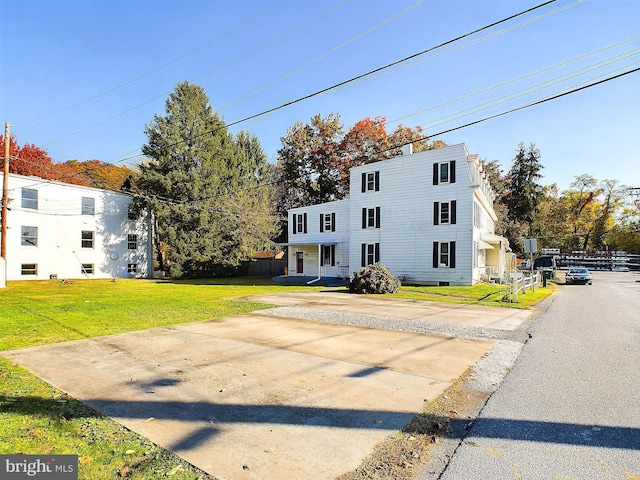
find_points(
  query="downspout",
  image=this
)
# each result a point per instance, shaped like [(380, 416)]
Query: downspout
[(319, 266)]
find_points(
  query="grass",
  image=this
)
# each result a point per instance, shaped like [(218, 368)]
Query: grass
[(479, 294), (36, 418)]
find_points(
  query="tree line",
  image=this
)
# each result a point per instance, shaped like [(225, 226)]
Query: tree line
[(216, 199)]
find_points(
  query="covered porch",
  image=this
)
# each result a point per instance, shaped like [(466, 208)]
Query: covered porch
[(316, 263), (492, 259)]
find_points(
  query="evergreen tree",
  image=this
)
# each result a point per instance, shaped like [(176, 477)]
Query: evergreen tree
[(202, 184), (524, 193)]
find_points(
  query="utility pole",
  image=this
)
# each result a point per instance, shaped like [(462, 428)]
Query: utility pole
[(5, 190)]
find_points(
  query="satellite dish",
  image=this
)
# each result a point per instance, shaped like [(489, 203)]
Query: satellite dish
[(114, 256)]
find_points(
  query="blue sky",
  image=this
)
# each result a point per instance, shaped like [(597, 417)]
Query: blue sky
[(83, 78)]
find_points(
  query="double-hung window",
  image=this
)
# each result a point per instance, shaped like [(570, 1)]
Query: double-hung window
[(299, 223), (87, 269), (444, 213), (370, 182), (131, 212), (88, 206), (444, 172), (371, 217), (87, 239), (370, 254), (132, 241), (29, 269), (328, 255), (29, 237), (444, 254), (29, 198), (327, 222)]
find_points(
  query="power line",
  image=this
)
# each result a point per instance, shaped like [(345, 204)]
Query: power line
[(527, 91), (317, 59), (179, 57), (230, 62), (522, 107), (338, 85), (633, 52), (371, 72)]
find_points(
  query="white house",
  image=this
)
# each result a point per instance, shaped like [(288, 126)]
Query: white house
[(64, 231), (428, 217)]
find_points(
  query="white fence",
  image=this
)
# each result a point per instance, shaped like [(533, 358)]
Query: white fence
[(520, 282)]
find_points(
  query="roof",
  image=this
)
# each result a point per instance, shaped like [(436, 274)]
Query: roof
[(268, 254)]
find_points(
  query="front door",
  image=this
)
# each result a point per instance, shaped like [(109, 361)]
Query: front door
[(299, 262)]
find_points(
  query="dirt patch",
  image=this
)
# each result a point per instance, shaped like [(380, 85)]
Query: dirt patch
[(407, 453)]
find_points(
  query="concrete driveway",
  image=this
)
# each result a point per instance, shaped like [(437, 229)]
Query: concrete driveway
[(262, 396)]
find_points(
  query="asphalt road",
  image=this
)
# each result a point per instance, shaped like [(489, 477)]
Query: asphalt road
[(570, 407)]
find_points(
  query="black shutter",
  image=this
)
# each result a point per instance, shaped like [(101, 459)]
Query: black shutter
[(364, 218), (333, 255), (452, 254), (295, 224), (435, 174), (322, 255), (377, 180), (333, 222), (435, 254), (377, 253), (364, 182), (377, 217), (363, 255), (304, 220), (321, 222), (452, 171), (436, 213), (452, 212)]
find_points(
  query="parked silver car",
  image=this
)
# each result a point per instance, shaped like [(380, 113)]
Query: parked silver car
[(578, 275)]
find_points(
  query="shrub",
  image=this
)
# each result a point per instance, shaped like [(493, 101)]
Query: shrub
[(374, 279)]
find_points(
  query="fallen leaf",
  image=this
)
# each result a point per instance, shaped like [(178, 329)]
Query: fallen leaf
[(495, 453), (271, 450), (36, 433), (174, 470), (85, 459), (129, 452), (149, 419)]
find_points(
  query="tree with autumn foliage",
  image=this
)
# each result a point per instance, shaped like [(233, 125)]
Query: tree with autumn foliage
[(101, 174), (315, 158), (33, 161)]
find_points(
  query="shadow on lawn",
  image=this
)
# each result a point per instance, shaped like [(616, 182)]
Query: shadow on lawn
[(64, 407)]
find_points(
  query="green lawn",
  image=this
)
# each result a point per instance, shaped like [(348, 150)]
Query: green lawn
[(479, 294), (36, 418)]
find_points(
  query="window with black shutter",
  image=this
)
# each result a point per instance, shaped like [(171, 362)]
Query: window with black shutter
[(444, 213), (444, 172), (444, 254), (370, 182)]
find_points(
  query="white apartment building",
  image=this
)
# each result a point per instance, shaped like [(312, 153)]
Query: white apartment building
[(428, 217), (62, 231)]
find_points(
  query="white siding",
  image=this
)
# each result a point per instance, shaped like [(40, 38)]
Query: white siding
[(308, 243), (60, 222), (407, 232), (405, 194)]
